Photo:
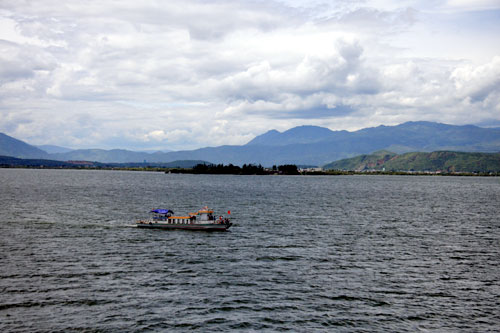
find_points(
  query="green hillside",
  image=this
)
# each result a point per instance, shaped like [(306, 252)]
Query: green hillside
[(362, 162), (439, 161)]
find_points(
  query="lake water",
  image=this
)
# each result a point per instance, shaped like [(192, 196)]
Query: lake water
[(326, 253)]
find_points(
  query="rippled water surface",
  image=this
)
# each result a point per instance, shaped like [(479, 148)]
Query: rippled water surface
[(346, 253)]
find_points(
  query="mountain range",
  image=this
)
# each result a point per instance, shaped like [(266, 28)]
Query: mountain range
[(311, 145)]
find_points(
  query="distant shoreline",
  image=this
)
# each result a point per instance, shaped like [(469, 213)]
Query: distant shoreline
[(438, 163), (350, 173), (304, 173)]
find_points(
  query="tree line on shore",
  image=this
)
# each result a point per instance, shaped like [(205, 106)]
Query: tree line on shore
[(246, 169)]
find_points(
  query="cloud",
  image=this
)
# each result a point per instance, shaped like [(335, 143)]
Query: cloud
[(376, 20), (162, 135), (472, 5), (478, 83), (177, 74), (315, 88)]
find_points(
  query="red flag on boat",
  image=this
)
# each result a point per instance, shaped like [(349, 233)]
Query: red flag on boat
[(229, 212)]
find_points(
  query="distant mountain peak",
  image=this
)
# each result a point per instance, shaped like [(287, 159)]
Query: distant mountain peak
[(262, 139), (297, 135), (306, 127), (273, 131)]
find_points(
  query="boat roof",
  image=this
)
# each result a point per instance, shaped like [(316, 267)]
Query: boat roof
[(161, 211), (167, 211)]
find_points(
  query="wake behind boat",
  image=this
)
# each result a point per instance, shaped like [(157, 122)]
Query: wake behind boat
[(204, 219)]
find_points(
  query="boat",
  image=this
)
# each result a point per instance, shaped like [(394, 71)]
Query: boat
[(203, 219)]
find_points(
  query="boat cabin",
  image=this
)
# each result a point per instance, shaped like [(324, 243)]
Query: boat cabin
[(161, 214), (205, 215), (202, 216)]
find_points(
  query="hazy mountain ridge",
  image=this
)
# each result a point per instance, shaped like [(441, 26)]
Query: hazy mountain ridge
[(444, 161), (104, 156), (272, 148), (9, 161), (51, 149), (429, 136), (10, 146), (310, 145)]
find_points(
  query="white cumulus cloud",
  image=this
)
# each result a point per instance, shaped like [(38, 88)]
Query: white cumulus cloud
[(187, 74)]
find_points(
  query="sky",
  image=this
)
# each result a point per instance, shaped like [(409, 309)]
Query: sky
[(173, 75)]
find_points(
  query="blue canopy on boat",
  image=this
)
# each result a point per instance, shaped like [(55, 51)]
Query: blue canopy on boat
[(162, 211)]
